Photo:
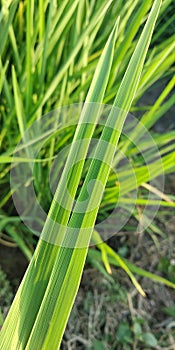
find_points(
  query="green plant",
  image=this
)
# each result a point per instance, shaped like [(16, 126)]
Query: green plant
[(47, 292), (126, 335), (141, 336)]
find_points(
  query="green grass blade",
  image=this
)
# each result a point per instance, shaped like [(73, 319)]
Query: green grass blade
[(73, 54), (150, 117), (15, 49), (106, 250), (94, 254), (20, 242), (18, 103), (164, 57), (132, 76), (3, 70), (36, 279), (29, 53), (129, 35), (4, 27)]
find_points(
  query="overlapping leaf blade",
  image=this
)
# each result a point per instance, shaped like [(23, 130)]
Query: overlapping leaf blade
[(72, 258), (32, 289)]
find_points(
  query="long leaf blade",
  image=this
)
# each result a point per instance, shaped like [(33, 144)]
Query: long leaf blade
[(100, 171)]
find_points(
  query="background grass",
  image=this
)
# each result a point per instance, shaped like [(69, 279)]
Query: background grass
[(69, 46)]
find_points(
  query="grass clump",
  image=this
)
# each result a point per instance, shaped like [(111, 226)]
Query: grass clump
[(57, 64)]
